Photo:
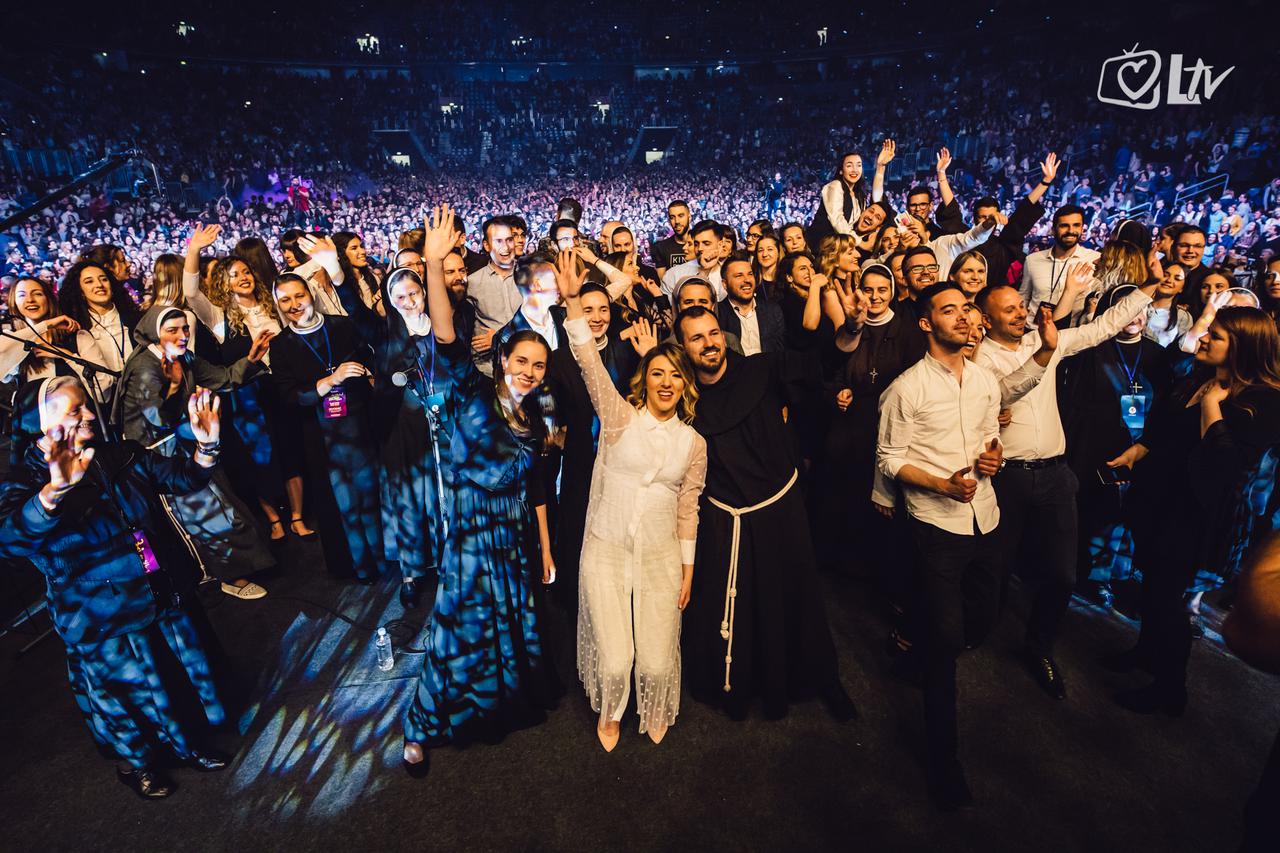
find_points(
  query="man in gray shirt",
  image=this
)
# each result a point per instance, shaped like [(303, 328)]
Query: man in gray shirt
[(492, 288)]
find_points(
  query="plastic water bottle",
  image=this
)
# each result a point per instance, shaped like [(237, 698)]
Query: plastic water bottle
[(386, 657)]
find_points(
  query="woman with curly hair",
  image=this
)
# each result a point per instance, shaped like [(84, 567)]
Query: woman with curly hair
[(262, 433)]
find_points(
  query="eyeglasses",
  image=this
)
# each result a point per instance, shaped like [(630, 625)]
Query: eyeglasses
[(919, 268)]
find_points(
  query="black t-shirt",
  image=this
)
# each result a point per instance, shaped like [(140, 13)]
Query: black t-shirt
[(667, 253)]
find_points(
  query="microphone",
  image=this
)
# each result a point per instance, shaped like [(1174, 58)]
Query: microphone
[(401, 377)]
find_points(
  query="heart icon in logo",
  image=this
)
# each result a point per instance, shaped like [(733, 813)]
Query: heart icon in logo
[(1135, 67)]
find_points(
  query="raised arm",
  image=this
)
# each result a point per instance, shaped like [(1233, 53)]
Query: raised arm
[(1048, 171), (944, 186), (438, 241), (812, 316), (618, 282), (615, 413), (887, 152), (206, 312)]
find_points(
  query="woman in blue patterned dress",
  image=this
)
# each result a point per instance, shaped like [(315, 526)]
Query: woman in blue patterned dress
[(483, 672)]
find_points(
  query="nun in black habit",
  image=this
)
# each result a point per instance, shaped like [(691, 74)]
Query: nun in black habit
[(412, 390), (324, 364), (159, 376), (88, 515)]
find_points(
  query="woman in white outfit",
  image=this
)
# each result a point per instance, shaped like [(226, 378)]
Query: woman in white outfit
[(642, 526)]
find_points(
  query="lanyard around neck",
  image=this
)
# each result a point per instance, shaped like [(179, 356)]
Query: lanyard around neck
[(327, 358)]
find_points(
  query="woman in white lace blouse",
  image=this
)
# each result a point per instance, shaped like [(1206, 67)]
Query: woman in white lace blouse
[(642, 525)]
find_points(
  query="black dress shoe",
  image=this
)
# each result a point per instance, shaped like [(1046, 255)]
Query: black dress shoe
[(1154, 699), (410, 594), (948, 788), (1048, 676), (146, 783), (839, 705), (207, 762)]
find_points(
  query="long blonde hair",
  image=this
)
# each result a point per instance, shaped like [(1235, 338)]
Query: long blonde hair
[(674, 353), (829, 252)]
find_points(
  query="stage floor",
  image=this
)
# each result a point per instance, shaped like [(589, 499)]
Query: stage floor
[(317, 760)]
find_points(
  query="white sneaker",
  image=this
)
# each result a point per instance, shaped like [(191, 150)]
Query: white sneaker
[(248, 592)]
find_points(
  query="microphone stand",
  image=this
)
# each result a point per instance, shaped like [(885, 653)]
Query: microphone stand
[(91, 370)]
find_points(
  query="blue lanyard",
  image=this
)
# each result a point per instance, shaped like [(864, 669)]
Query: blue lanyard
[(1130, 374), (327, 361)]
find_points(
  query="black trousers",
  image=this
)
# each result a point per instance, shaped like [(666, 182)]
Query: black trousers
[(958, 583), (1039, 506)]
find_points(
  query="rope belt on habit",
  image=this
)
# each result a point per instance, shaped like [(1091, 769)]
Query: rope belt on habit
[(731, 585)]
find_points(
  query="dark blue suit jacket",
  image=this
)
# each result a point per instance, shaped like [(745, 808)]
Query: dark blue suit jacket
[(773, 328)]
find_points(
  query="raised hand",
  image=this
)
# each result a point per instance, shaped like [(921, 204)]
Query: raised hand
[(441, 236), (989, 460), (652, 286), (312, 244), (643, 338), (944, 160), (855, 305), (261, 344), (204, 413), (202, 237), (67, 459), (1211, 306), (569, 280), (171, 369), (958, 487), (1048, 330), (887, 152), (1080, 276), (1049, 167)]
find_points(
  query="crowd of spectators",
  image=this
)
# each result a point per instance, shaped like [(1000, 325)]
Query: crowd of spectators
[(242, 140)]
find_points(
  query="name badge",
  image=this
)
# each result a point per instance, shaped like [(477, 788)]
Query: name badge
[(145, 554), (334, 404), (1133, 408)]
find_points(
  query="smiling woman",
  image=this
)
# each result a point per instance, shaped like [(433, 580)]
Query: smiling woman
[(150, 407)]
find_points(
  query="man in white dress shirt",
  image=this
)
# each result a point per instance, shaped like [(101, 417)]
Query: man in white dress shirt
[(1037, 489), (1045, 274), (939, 438), (708, 247)]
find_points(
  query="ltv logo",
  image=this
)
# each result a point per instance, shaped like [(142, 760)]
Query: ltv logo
[(1132, 79)]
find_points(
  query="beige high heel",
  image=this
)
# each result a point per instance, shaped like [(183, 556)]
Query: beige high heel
[(657, 733), (608, 740)]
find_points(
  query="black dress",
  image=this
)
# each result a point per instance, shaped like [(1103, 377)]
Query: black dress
[(1097, 430), (847, 527), (338, 438), (1183, 543), (413, 452)]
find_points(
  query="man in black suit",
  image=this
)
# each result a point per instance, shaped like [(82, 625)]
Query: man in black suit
[(758, 325)]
